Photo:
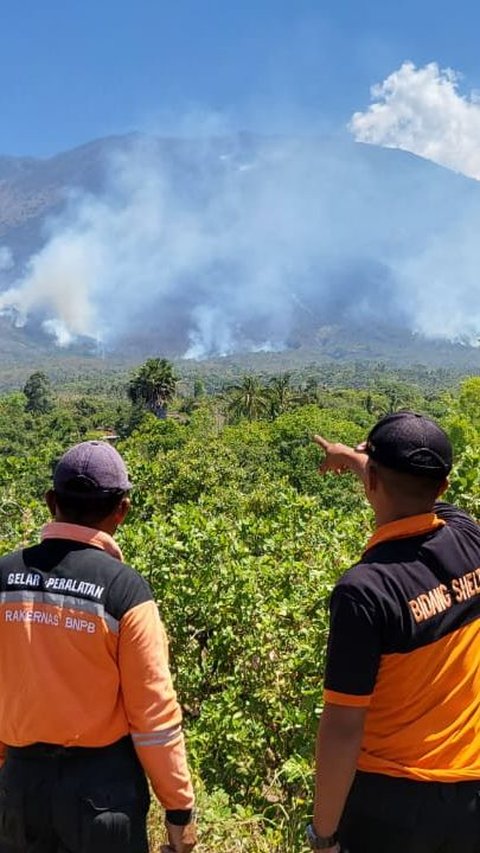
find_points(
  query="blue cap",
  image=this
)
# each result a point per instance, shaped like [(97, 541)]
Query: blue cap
[(91, 466)]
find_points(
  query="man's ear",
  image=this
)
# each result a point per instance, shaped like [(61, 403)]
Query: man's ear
[(51, 501), (122, 510)]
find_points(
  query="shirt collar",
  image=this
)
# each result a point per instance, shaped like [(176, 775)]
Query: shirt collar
[(87, 535), (413, 525)]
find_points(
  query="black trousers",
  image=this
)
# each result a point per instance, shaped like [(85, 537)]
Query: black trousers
[(73, 800), (390, 815)]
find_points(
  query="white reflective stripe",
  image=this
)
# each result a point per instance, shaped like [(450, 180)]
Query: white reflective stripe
[(58, 599), (162, 732), (156, 742), (156, 738)]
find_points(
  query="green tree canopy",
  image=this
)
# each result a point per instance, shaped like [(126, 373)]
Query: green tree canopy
[(248, 399), (153, 386), (38, 392), (469, 399)]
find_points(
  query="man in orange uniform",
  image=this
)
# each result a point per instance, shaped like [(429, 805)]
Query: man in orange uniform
[(87, 705), (398, 748)]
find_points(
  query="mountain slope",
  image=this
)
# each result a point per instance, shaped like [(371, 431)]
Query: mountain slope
[(242, 243)]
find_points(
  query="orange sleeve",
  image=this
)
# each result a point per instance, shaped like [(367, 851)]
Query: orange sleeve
[(151, 705)]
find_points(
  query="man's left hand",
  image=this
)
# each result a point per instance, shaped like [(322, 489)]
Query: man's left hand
[(181, 839)]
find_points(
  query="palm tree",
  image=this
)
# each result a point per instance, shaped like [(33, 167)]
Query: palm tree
[(280, 394), (153, 386), (248, 399), (310, 391)]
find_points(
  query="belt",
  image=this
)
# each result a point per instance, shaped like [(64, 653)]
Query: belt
[(53, 750)]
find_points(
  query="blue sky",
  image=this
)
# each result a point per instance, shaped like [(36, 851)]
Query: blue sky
[(73, 71)]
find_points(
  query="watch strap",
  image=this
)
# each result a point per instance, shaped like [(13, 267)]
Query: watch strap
[(320, 842), (181, 817)]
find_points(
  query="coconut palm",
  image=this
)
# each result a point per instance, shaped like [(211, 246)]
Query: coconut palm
[(153, 386), (280, 394), (248, 399)]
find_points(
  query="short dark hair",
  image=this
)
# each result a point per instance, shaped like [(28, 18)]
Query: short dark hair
[(411, 486), (81, 504)]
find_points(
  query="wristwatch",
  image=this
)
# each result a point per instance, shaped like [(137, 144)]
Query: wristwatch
[(319, 842)]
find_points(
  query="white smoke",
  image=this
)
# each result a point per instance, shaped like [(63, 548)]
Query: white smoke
[(221, 238), (213, 245), (442, 280), (58, 282), (211, 333), (421, 110)]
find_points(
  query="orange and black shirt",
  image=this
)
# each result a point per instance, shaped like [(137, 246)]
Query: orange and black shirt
[(84, 656), (405, 644)]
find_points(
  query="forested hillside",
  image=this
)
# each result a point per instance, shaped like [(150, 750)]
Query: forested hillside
[(210, 246), (241, 541)]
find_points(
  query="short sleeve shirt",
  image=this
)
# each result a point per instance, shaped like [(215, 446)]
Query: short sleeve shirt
[(404, 639)]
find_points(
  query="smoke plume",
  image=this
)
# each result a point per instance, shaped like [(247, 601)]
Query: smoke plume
[(210, 246)]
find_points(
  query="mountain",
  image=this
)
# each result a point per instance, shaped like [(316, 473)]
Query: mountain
[(34, 189), (237, 244)]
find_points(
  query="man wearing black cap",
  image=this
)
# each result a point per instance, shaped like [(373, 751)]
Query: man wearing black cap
[(398, 746), (87, 705)]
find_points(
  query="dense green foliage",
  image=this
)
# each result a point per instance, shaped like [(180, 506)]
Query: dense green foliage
[(153, 386), (38, 393), (241, 542)]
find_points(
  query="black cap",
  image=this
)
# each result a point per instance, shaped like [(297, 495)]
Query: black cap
[(408, 442)]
